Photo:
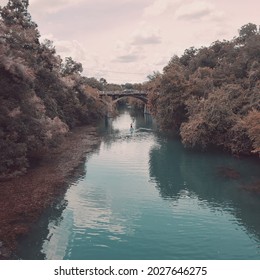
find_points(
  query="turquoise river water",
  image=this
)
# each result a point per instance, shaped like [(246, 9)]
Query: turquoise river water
[(141, 195)]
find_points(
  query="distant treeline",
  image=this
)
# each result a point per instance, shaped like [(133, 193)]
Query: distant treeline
[(41, 96), (211, 96)]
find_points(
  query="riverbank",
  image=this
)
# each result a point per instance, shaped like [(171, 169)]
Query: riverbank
[(24, 199)]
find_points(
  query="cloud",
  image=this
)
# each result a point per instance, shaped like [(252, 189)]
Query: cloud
[(128, 58), (102, 6), (66, 48), (162, 61), (141, 41), (127, 53), (146, 38), (195, 10), (158, 7), (51, 7)]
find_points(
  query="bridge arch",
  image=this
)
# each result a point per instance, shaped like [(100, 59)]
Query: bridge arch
[(118, 95), (143, 99)]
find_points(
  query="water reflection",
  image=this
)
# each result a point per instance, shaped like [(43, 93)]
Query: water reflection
[(87, 216), (180, 173), (118, 129), (31, 247)]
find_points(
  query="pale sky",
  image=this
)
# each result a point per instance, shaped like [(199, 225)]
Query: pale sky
[(126, 40)]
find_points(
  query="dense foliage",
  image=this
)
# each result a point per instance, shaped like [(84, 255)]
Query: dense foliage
[(211, 96), (41, 97)]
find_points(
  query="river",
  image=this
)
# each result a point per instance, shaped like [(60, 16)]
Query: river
[(142, 195)]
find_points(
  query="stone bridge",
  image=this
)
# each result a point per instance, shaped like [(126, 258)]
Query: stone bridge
[(117, 95)]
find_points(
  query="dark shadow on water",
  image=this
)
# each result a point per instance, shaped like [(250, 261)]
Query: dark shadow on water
[(214, 178)]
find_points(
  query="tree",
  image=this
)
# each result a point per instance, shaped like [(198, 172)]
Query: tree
[(153, 76), (71, 67), (170, 107), (248, 30), (103, 81), (16, 13), (188, 55), (201, 82), (204, 58), (252, 124), (128, 86), (94, 83), (211, 96), (37, 104)]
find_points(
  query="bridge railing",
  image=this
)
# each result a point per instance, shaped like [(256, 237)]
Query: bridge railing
[(123, 92)]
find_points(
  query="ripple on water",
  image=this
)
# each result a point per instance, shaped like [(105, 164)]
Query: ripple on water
[(145, 197)]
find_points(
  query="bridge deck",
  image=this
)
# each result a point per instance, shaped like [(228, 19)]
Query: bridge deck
[(123, 93)]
